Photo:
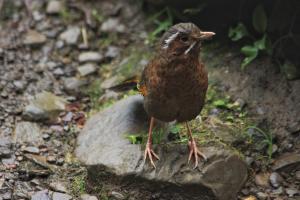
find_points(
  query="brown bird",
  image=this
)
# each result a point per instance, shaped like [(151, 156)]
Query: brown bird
[(174, 83)]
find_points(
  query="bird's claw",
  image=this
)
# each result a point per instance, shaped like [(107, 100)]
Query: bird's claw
[(194, 152), (150, 153)]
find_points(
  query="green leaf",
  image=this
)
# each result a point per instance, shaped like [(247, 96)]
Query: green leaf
[(250, 52), (132, 139), (261, 44), (259, 19), (238, 32), (175, 129), (220, 103), (135, 139)]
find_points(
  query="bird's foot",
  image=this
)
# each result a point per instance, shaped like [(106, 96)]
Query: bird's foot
[(150, 153), (194, 152)]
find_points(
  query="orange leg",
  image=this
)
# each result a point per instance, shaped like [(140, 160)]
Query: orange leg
[(148, 151), (194, 151)]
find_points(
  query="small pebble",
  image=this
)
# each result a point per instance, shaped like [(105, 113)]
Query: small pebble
[(276, 179)]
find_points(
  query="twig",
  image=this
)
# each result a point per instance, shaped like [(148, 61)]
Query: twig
[(84, 37)]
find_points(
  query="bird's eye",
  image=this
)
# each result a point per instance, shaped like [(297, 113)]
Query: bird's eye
[(184, 38)]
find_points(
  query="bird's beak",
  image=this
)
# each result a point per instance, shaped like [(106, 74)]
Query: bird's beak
[(205, 35)]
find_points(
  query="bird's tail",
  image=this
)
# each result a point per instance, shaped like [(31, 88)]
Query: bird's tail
[(128, 84)]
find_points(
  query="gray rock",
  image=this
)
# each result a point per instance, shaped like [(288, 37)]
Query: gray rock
[(20, 85), (112, 52), (73, 84), (33, 37), (292, 192), (5, 147), (58, 72), (45, 106), (102, 146), (54, 7), (71, 35), (41, 195), (262, 196), (112, 25), (90, 56), (31, 149), (117, 195), (278, 191), (287, 161), (60, 196), (291, 70), (107, 83), (298, 175), (9, 161), (88, 197), (58, 186), (86, 69), (275, 179), (27, 132), (37, 16)]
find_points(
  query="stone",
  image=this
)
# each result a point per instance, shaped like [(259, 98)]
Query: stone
[(27, 132), (112, 25), (37, 16), (90, 56), (73, 84), (51, 159), (298, 175), (31, 149), (275, 179), (88, 197), (107, 83), (117, 195), (112, 52), (287, 161), (262, 196), (71, 35), (292, 192), (250, 198), (61, 196), (19, 85), (33, 38), (262, 179), (45, 106), (58, 72), (86, 69), (54, 7), (41, 195), (291, 71), (5, 147), (278, 191), (58, 186), (103, 147)]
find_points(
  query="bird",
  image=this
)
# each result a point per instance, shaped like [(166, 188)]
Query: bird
[(174, 83)]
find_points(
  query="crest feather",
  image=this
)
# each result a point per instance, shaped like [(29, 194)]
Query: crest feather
[(170, 39)]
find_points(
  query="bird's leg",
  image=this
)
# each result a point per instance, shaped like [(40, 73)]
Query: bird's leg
[(194, 151), (148, 151)]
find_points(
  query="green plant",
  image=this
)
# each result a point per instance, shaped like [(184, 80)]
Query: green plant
[(78, 185), (161, 24), (267, 140), (257, 46), (134, 139), (98, 16)]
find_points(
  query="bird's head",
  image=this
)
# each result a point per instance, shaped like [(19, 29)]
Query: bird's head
[(184, 39)]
